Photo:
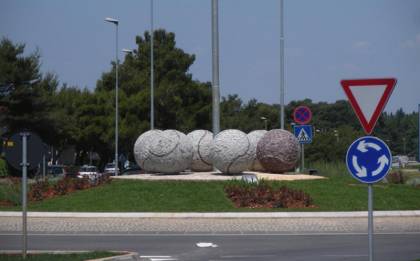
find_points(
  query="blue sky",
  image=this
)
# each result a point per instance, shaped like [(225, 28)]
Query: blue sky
[(326, 41)]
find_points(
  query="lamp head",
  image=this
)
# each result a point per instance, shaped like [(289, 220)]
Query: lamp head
[(112, 20)]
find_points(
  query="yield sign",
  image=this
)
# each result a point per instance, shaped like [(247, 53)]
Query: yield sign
[(368, 98)]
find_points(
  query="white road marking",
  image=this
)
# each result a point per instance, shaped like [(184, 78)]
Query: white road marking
[(206, 244), (159, 258)]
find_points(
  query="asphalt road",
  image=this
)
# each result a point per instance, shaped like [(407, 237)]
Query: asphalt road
[(252, 246)]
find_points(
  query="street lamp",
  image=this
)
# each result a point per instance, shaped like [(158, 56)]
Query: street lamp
[(116, 22), (152, 77), (336, 134), (127, 51), (281, 64), (265, 121)]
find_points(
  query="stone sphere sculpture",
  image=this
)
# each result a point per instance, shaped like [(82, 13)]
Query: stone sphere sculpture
[(201, 143), (278, 151), (168, 151), (254, 137), (231, 152)]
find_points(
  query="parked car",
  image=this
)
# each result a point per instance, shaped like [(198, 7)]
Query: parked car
[(88, 171), (110, 169), (131, 168), (400, 161), (57, 171)]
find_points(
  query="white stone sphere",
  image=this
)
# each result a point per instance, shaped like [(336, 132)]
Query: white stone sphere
[(201, 141), (254, 137), (168, 151), (231, 151)]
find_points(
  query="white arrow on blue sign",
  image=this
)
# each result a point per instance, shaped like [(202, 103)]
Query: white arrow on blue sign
[(368, 159), (303, 133)]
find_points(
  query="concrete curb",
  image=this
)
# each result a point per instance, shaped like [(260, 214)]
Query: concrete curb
[(405, 213)]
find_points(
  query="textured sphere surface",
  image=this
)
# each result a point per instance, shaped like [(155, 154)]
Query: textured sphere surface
[(231, 151), (278, 151), (168, 151), (201, 143), (254, 137)]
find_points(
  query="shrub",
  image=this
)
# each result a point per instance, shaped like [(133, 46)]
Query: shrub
[(83, 183), (39, 190), (330, 169), (3, 168), (396, 177), (262, 195), (11, 191), (104, 179)]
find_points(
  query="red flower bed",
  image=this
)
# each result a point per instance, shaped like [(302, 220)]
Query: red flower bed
[(265, 196), (43, 189)]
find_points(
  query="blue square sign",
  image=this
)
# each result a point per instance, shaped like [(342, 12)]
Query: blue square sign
[(303, 133)]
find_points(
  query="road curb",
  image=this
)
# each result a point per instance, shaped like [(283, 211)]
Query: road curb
[(405, 213)]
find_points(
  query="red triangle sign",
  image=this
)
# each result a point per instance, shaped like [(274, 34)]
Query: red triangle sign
[(368, 98)]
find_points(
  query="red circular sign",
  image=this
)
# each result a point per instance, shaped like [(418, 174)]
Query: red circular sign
[(302, 115)]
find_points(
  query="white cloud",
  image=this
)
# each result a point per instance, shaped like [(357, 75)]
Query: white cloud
[(361, 44), (412, 43)]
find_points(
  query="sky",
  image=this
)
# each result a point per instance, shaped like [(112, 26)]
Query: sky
[(325, 41)]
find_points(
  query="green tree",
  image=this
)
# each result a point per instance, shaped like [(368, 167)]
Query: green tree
[(27, 105), (180, 102)]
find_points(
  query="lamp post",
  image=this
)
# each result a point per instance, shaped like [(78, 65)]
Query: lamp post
[(152, 78), (281, 65), (215, 66), (116, 22), (265, 121)]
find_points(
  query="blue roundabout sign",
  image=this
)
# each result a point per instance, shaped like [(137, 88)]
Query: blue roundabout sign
[(368, 159)]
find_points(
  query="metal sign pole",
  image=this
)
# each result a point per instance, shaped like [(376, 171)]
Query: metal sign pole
[(303, 158), (24, 194), (370, 221)]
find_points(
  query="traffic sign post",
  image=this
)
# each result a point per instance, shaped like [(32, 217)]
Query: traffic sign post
[(303, 133), (24, 151), (368, 98), (302, 115), (368, 158), (24, 193)]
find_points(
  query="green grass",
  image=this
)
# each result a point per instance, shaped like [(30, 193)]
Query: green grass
[(56, 257), (337, 193)]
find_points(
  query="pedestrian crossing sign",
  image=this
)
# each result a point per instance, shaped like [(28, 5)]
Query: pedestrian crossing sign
[(303, 133)]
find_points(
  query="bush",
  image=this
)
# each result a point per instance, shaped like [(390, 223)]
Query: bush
[(396, 177), (11, 191), (3, 168), (104, 179), (330, 169), (40, 190), (262, 195)]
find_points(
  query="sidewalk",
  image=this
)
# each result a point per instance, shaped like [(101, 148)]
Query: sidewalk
[(346, 214), (210, 223)]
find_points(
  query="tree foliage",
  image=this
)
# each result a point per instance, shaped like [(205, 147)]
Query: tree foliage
[(85, 118)]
